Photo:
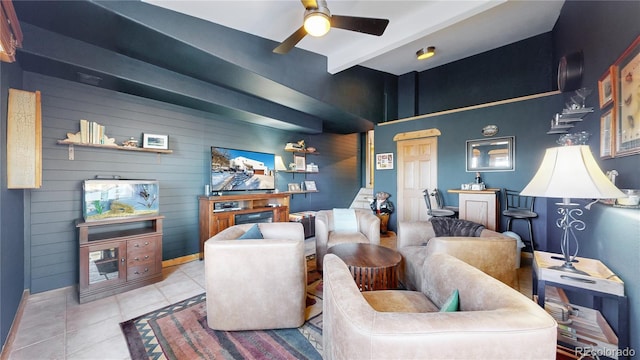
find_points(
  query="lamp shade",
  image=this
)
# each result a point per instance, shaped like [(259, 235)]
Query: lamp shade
[(571, 172), (280, 164)]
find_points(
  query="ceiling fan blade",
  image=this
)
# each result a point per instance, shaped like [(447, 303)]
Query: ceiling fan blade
[(370, 26), (291, 41), (309, 4)]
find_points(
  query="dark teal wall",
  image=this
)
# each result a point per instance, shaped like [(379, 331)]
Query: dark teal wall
[(603, 30), (53, 245), (519, 119), (12, 261), (519, 69)]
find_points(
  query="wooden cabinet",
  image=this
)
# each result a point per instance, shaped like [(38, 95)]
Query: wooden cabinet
[(220, 212), (480, 206), (119, 255)]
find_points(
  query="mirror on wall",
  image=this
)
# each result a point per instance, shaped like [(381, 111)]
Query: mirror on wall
[(495, 154)]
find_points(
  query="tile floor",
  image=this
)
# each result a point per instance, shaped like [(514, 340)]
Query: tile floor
[(55, 326)]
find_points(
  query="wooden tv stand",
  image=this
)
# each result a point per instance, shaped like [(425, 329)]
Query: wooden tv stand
[(219, 212)]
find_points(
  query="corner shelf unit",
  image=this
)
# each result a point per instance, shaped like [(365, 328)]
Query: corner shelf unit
[(563, 122)]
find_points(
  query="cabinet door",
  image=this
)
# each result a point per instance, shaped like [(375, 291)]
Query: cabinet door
[(281, 214), (481, 208), (220, 222), (102, 264)]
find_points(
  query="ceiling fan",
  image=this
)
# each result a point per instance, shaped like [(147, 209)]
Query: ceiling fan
[(318, 20)]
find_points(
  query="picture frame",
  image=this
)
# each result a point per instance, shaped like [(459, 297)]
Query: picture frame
[(627, 121), (154, 141), (310, 185), (606, 88), (606, 134), (494, 154), (384, 161), (293, 187), (300, 161)]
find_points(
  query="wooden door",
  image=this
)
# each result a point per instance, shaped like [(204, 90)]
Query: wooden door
[(417, 170)]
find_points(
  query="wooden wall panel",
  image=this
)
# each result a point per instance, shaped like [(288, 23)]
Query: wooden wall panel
[(54, 207)]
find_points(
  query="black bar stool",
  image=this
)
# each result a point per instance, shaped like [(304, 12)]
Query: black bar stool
[(518, 207), (431, 211)]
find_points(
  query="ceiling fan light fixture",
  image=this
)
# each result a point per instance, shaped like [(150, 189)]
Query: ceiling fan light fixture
[(426, 53), (317, 23)]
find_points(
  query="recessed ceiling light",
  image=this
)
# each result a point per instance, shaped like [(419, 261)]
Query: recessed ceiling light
[(426, 53)]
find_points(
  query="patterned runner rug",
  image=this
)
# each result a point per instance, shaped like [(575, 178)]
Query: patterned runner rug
[(180, 331)]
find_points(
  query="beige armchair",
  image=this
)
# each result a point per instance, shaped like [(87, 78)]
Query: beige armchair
[(255, 284), (491, 252), (368, 232), (494, 321)]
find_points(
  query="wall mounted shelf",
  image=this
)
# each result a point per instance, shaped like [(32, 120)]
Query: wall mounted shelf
[(114, 147), (302, 151), (299, 172)]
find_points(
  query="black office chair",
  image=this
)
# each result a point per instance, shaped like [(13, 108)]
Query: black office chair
[(518, 207), (431, 211), (437, 194)]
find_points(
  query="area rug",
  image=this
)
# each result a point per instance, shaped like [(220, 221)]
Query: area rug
[(180, 331)]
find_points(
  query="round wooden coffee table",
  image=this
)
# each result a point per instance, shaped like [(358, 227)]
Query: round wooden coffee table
[(373, 267)]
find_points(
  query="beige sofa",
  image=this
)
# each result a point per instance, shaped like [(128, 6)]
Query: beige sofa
[(326, 236), (495, 321), (255, 284), (491, 252)]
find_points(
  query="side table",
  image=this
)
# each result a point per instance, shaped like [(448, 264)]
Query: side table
[(373, 267), (600, 283)]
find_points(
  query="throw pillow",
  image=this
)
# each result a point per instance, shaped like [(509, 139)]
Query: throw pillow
[(252, 233), (345, 221), (452, 304)]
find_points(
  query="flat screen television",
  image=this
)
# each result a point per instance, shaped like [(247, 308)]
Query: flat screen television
[(241, 170)]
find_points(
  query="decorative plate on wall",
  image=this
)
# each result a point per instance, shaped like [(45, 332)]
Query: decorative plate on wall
[(490, 130)]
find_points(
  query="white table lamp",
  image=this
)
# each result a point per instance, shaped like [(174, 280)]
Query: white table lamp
[(570, 172)]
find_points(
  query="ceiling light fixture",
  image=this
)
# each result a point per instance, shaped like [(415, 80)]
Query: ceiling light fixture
[(426, 53), (317, 22)]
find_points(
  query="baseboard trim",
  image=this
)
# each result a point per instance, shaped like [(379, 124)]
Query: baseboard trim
[(181, 260), (13, 331)]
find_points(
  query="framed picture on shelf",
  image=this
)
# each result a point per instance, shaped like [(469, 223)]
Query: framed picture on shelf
[(606, 88), (310, 185), (153, 141), (384, 161), (294, 187), (300, 162), (627, 125), (606, 134)]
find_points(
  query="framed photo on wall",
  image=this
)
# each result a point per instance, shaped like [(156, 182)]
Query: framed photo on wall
[(384, 161), (606, 134), (627, 126), (606, 88), (153, 141)]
